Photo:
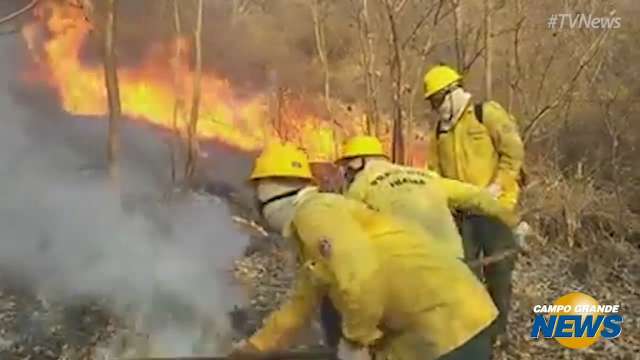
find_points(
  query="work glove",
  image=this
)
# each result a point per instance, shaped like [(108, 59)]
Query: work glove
[(350, 351), (520, 234), (244, 350), (495, 190)]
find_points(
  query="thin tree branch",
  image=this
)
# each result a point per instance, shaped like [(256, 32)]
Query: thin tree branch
[(9, 32), (475, 57), (398, 7), (17, 13), (547, 70), (563, 93), (417, 27)]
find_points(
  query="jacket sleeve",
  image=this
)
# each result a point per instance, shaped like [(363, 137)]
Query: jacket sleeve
[(506, 139), (280, 326), (331, 233), (433, 162), (463, 196)]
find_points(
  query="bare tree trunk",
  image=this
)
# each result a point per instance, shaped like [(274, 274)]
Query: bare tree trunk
[(273, 101), (368, 64), (516, 68), (280, 108), (411, 119), (276, 105), (318, 12), (488, 49), (458, 30), (192, 129), (178, 105), (397, 144), (113, 93)]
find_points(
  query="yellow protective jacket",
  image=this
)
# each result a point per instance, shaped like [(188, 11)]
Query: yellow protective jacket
[(480, 153), (388, 280), (425, 197)]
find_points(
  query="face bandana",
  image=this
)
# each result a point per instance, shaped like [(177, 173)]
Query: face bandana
[(452, 107), (275, 202)]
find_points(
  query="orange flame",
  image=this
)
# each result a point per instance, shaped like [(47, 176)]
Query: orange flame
[(148, 91)]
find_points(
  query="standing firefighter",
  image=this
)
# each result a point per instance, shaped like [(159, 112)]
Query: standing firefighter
[(478, 144), (399, 293), (413, 194)]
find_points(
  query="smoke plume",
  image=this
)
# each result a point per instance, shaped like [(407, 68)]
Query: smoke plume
[(67, 234)]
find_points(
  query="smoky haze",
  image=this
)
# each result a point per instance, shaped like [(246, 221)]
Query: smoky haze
[(68, 236)]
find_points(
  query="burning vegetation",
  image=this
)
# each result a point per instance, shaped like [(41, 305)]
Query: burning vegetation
[(59, 35)]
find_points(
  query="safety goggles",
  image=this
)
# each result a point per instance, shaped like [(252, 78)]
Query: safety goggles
[(260, 204), (438, 98)]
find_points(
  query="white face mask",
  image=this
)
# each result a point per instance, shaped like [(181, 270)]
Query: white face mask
[(445, 111), (453, 105), (278, 213)]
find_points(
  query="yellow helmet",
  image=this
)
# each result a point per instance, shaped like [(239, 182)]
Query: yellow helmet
[(362, 145), (281, 160), (438, 78)]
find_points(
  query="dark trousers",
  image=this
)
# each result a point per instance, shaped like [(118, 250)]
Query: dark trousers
[(485, 236), (331, 322), (477, 348)]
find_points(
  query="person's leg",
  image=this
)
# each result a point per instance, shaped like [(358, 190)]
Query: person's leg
[(468, 226), (331, 323), (477, 348), (498, 238)]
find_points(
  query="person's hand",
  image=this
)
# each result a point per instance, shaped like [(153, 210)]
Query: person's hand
[(520, 234), (243, 350), (495, 190), (350, 351)]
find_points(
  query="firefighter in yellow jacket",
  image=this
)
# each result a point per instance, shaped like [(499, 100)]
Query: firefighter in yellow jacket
[(413, 194), (399, 294), (480, 145)]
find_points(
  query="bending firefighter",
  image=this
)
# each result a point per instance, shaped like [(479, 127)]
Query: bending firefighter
[(479, 145), (399, 293), (413, 194)]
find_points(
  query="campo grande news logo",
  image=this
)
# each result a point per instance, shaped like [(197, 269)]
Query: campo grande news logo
[(576, 321)]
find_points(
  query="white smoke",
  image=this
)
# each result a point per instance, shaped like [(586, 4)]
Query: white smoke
[(66, 232)]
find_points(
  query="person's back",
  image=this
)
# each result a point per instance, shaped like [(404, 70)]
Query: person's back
[(424, 291), (409, 194)]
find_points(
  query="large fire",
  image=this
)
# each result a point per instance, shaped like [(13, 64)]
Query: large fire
[(148, 91)]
